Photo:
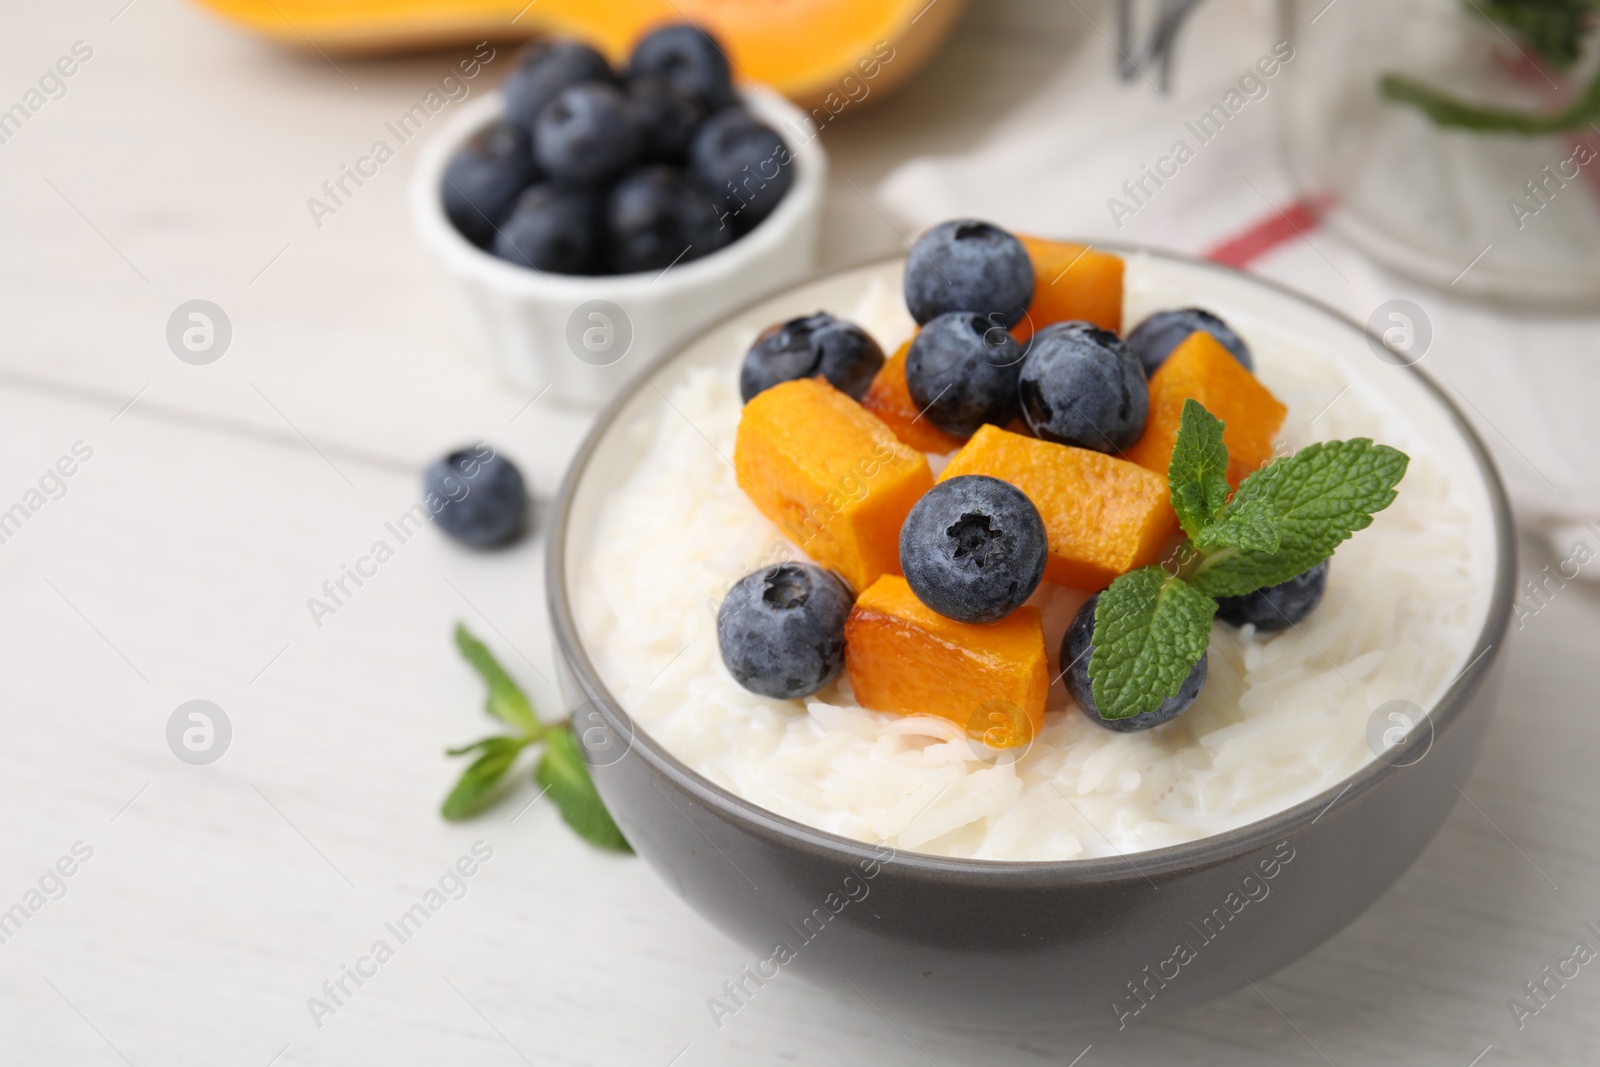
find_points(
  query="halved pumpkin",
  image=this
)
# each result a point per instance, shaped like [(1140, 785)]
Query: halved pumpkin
[(810, 50)]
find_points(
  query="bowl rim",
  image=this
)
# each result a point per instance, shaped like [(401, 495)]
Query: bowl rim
[(463, 257), (1208, 851)]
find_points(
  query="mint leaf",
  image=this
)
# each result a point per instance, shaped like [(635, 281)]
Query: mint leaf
[(563, 774), (1149, 631), (1252, 525), (507, 702), (476, 787), (1198, 474), (1319, 497)]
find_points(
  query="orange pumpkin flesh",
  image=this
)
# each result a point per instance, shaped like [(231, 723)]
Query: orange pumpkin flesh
[(833, 477), (906, 658), (1201, 368), (1103, 516), (1071, 282), (890, 400), (826, 55)]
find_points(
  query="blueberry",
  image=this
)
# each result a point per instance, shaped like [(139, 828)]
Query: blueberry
[(1079, 385), (545, 68), (967, 265), (781, 629), (962, 371), (553, 228), (658, 216), (840, 351), (744, 162), (1077, 645), (1154, 339), (973, 548), (1277, 607), (483, 493), (484, 178), (666, 120), (587, 134), (689, 60)]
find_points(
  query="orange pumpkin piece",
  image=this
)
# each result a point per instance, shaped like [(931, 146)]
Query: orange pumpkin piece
[(890, 399), (834, 478), (904, 657), (1071, 282), (1103, 516), (1201, 368)]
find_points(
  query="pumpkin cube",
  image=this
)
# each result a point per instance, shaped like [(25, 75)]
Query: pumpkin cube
[(1201, 368), (904, 657), (889, 398), (1103, 516), (1071, 282), (833, 477)]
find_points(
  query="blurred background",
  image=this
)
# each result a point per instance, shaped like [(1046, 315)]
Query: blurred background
[(1423, 166)]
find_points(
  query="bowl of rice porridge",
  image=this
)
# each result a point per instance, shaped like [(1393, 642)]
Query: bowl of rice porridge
[(1089, 874)]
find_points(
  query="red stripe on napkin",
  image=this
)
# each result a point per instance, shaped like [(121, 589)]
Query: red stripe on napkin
[(1280, 227)]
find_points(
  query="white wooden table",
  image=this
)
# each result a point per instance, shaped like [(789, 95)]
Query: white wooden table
[(176, 566)]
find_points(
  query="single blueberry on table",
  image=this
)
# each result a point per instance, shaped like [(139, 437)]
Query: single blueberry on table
[(543, 69), (689, 60), (973, 548), (484, 497), (1154, 339), (484, 178), (659, 216), (666, 120), (745, 164), (1077, 646), (961, 372), (840, 351), (1080, 386), (553, 228), (968, 265), (587, 134), (781, 629), (1277, 607)]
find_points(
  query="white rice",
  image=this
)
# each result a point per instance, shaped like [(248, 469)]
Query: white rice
[(1282, 717)]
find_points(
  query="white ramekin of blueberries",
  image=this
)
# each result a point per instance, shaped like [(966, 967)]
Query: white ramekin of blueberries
[(590, 218)]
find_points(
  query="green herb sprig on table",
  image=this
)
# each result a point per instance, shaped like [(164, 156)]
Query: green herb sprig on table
[(560, 772), (1153, 624), (1555, 31)]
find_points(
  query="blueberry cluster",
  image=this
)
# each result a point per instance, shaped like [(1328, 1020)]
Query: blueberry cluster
[(967, 283), (968, 550), (599, 171)]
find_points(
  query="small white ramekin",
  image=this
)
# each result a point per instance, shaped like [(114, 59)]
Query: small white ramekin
[(585, 336)]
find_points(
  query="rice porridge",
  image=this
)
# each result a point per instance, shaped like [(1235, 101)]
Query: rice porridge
[(1282, 716)]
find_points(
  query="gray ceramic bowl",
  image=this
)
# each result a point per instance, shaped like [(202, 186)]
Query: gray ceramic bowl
[(1028, 944)]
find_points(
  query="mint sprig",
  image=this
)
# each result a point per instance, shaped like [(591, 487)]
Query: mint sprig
[(1152, 625), (1555, 30), (560, 770)]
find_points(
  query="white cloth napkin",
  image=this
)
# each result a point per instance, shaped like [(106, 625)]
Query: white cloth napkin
[(1528, 381)]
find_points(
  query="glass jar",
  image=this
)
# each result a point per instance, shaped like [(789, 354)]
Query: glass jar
[(1453, 147)]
